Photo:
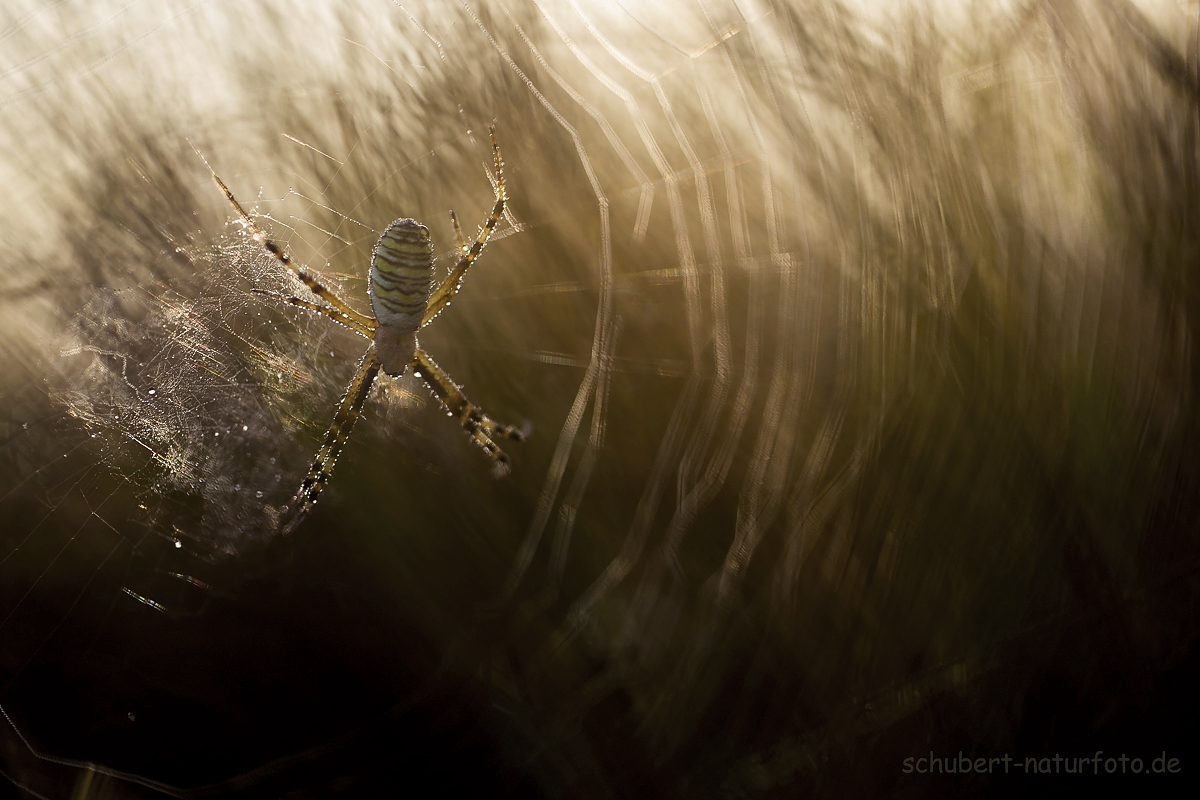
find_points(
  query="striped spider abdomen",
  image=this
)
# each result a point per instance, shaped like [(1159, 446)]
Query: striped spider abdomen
[(400, 280)]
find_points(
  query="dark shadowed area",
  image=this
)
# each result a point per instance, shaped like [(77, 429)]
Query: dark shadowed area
[(856, 344)]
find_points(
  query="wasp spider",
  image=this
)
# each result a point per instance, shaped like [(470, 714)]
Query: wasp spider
[(400, 280)]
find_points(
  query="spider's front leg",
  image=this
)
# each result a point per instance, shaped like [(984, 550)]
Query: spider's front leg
[(482, 428)]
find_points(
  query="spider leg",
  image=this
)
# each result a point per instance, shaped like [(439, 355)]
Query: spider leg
[(462, 247), (349, 410), (450, 287), (283, 258), (332, 313), (482, 428)]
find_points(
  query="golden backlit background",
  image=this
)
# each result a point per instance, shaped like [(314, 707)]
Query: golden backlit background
[(857, 345)]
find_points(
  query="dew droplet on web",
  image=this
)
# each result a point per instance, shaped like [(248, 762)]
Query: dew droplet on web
[(152, 391), (258, 495)]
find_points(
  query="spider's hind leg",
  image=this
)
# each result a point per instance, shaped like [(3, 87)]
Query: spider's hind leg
[(462, 247), (349, 410), (280, 255), (482, 428), (328, 311), (442, 295)]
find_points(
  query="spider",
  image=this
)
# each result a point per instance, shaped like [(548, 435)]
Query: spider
[(400, 279)]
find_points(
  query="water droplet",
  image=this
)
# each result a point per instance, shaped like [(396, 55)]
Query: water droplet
[(417, 374), (152, 391), (178, 544), (258, 494), (237, 487), (245, 428)]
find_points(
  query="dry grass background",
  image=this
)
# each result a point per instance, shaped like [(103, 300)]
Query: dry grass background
[(857, 345)]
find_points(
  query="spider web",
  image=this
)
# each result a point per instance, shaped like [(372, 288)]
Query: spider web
[(856, 346)]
